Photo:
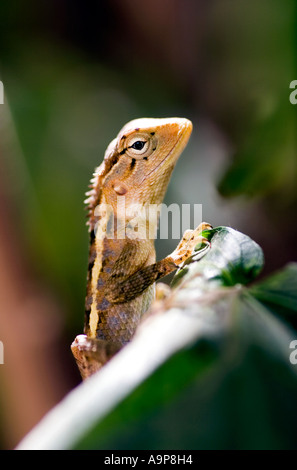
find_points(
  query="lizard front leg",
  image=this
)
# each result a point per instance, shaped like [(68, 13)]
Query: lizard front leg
[(129, 288)]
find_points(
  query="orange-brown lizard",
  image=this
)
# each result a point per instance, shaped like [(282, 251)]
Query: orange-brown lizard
[(122, 268)]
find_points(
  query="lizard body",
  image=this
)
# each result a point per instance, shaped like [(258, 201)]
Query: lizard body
[(122, 269)]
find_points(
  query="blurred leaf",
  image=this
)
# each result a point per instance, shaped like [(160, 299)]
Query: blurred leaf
[(279, 289), (279, 293), (266, 162)]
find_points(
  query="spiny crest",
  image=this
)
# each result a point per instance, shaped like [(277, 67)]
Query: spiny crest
[(94, 194)]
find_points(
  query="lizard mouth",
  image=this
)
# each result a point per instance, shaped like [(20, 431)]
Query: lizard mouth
[(178, 147)]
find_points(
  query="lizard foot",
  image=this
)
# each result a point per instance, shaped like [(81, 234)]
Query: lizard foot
[(190, 239), (92, 353)]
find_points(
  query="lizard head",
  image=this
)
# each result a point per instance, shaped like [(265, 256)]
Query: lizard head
[(138, 164)]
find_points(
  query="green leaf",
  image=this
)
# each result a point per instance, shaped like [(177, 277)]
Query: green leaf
[(233, 258), (279, 289), (279, 293)]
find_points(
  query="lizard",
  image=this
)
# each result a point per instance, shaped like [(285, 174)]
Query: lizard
[(122, 270)]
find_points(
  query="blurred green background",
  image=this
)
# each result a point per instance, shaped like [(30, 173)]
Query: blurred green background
[(74, 73)]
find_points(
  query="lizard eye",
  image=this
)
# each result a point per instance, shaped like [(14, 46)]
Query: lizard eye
[(138, 145)]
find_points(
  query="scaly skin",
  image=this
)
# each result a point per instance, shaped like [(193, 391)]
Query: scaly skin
[(122, 264)]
